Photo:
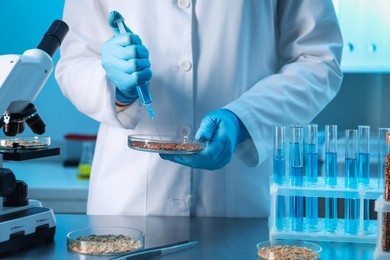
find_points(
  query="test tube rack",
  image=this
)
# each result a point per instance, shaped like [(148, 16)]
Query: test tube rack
[(320, 190), (381, 207)]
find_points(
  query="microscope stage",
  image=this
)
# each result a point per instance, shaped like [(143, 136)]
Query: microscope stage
[(18, 154)]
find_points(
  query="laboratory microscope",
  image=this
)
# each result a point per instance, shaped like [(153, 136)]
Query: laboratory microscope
[(25, 222)]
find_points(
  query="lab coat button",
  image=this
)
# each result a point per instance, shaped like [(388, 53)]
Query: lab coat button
[(190, 200), (185, 130), (186, 65), (184, 4)]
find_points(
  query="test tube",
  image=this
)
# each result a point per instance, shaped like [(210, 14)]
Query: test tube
[(331, 176), (364, 168), (382, 152), (364, 154), (296, 177), (311, 172), (351, 210), (279, 173)]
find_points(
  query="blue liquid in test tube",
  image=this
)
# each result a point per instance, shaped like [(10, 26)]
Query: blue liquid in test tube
[(331, 176), (296, 177), (311, 171), (364, 168), (279, 174), (351, 210), (364, 154)]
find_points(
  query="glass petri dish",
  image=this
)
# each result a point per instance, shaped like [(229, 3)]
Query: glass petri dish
[(27, 142), (105, 240), (288, 249), (166, 144)]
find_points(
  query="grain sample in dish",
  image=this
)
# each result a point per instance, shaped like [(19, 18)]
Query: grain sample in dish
[(166, 144), (288, 249), (34, 142), (283, 252), (105, 240), (104, 244)]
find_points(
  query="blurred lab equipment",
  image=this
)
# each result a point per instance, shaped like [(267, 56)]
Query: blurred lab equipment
[(22, 77), (74, 147), (85, 163)]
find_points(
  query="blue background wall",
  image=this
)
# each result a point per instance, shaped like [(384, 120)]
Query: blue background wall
[(22, 25)]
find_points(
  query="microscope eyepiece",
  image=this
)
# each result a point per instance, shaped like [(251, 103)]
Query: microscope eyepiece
[(53, 38)]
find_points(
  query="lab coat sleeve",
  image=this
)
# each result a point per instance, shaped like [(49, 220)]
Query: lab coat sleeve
[(310, 47), (79, 73)]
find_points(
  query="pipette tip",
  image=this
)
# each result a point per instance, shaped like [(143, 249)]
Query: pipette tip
[(150, 111)]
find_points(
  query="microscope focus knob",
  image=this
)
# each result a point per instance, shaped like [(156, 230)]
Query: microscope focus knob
[(7, 182), (18, 197)]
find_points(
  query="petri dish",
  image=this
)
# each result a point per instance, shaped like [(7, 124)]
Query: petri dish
[(105, 240), (27, 142), (288, 249), (166, 144)]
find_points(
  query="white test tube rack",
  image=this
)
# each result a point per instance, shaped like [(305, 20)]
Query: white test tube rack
[(320, 190), (381, 207)]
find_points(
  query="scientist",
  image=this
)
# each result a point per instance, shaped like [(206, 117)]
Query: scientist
[(225, 71)]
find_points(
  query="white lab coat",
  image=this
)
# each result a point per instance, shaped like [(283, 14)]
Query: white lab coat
[(270, 62)]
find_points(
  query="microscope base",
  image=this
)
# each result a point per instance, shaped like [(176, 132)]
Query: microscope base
[(29, 226)]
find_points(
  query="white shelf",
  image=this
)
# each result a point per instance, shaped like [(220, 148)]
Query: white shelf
[(55, 186)]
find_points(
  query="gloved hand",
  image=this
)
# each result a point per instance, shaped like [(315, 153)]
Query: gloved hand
[(223, 129), (125, 60)]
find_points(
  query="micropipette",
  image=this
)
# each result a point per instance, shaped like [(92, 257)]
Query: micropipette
[(143, 89)]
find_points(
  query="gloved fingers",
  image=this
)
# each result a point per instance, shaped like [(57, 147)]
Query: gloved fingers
[(126, 39), (113, 18), (134, 65), (124, 80), (124, 53), (211, 158), (194, 161), (207, 128), (133, 51), (141, 76), (127, 66)]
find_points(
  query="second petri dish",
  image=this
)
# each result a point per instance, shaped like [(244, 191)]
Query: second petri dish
[(166, 144), (27, 142), (105, 240), (288, 249)]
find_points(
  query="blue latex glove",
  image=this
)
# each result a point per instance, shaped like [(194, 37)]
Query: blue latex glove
[(224, 130), (125, 60)]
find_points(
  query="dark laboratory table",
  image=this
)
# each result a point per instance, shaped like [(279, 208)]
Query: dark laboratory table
[(219, 238)]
